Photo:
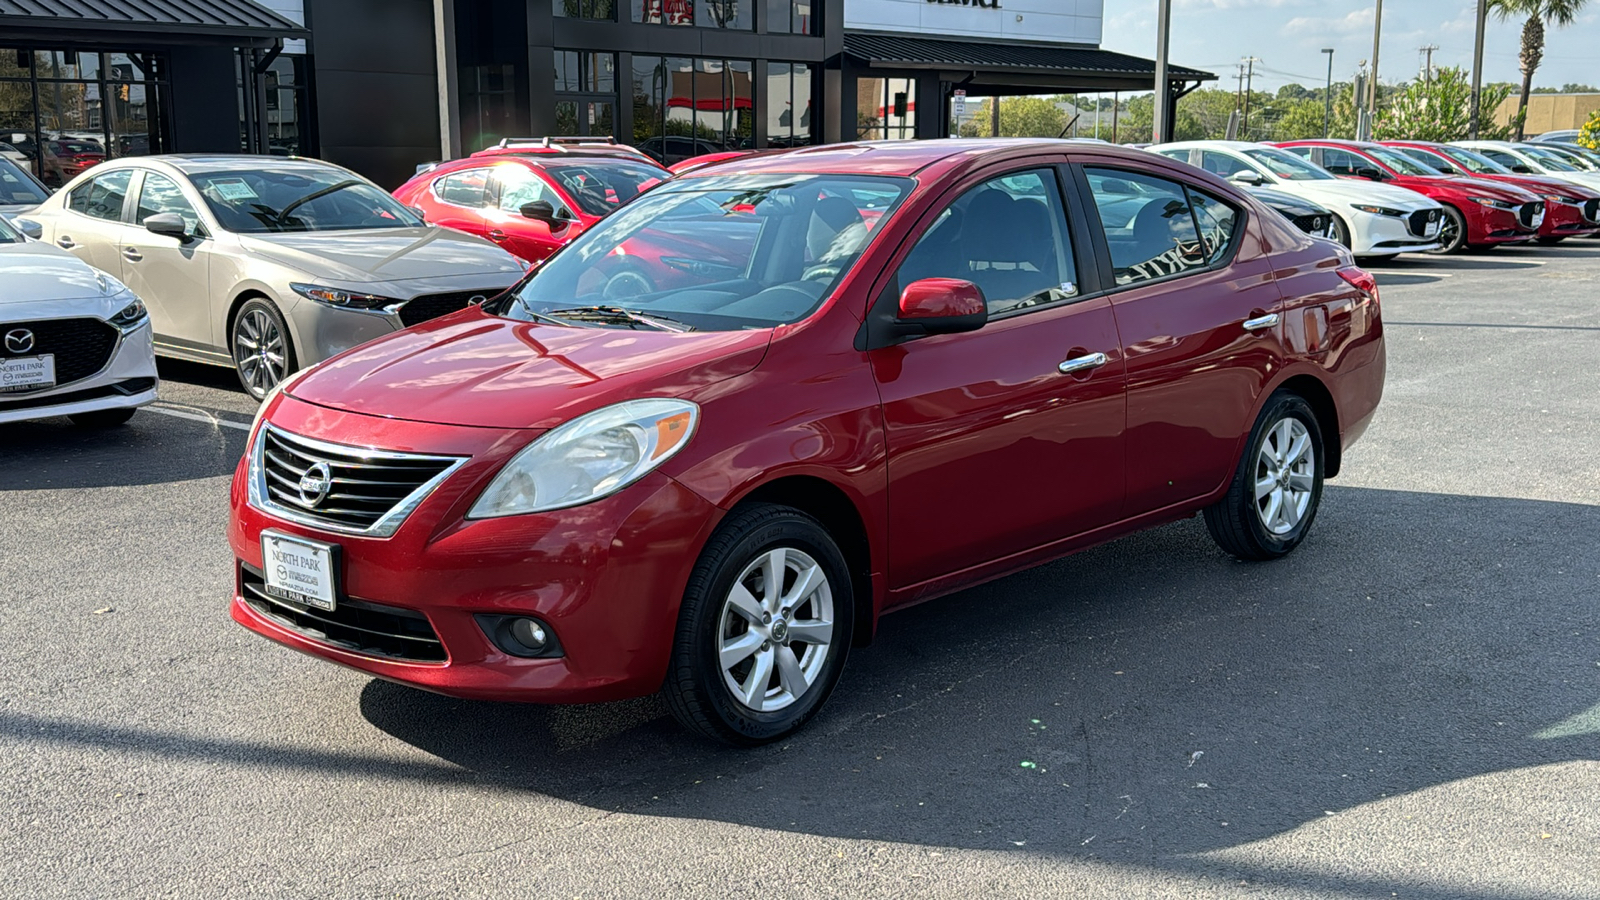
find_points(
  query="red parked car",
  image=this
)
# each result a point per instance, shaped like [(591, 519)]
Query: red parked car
[(934, 364), (707, 159), (1570, 210), (1476, 213), (529, 201), (65, 160)]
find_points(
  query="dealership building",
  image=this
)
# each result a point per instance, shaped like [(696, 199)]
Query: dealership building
[(382, 85)]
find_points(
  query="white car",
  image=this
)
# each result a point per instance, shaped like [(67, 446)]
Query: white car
[(1531, 159), (1375, 221), (73, 340)]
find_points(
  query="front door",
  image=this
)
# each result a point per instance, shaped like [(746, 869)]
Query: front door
[(992, 449), (513, 187), (1199, 315), (172, 276)]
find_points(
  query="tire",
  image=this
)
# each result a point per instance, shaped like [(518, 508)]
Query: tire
[(263, 352), (1341, 232), (1452, 232), (102, 418), (740, 704), (1550, 241), (1239, 522)]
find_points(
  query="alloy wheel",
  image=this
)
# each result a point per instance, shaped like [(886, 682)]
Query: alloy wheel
[(1285, 476), (775, 629), (258, 351), (1450, 235)]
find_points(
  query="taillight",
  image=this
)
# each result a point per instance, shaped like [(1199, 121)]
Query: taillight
[(1361, 280)]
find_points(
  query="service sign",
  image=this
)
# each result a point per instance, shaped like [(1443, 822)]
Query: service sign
[(1054, 21)]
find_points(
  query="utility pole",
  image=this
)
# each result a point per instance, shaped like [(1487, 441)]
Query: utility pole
[(1327, 97), (1477, 69), (1372, 85), (1427, 67), (1162, 132), (1249, 81)]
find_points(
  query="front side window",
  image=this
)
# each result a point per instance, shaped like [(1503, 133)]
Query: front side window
[(102, 197), (1549, 160), (467, 189), (1341, 162), (1286, 166), (1423, 158), (9, 235), (1473, 161), (1221, 164), (515, 187), (1505, 159), (599, 188), (1150, 225), (1399, 162), (713, 254), (161, 194), (298, 198), (1008, 236)]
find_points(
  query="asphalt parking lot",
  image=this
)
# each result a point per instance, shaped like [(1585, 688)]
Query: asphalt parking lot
[(1409, 706)]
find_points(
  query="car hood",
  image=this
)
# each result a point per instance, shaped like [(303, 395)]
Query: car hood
[(475, 369), (1589, 180), (384, 254), (33, 272), (1542, 185), (1344, 193), (1469, 186)]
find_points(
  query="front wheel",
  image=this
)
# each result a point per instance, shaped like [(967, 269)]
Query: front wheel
[(1341, 232), (764, 629), (262, 352), (1277, 486), (1452, 232)]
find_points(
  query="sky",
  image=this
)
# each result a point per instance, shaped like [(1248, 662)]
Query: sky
[(1287, 36)]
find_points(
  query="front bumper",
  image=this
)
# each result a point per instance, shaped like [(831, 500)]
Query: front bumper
[(1373, 234), (1566, 220), (1493, 225), (323, 331), (128, 380), (606, 577)]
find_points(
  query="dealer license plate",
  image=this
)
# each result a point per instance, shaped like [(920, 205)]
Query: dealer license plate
[(299, 570), (27, 373)]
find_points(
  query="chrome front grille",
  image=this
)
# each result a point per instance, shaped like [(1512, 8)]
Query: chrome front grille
[(336, 487)]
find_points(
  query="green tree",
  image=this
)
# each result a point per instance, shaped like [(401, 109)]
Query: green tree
[(1439, 110), (1019, 117), (1539, 13)]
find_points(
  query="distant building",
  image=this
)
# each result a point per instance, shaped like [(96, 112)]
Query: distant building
[(1550, 112)]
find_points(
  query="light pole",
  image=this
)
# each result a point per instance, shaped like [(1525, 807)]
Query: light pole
[(1327, 97), (1372, 88), (1162, 128), (1477, 70)]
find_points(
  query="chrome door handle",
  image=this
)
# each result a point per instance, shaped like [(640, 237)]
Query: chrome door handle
[(131, 254), (65, 242), (1083, 363), (497, 235), (1260, 322)]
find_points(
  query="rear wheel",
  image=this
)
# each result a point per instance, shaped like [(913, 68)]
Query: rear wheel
[(262, 351), (764, 628), (1452, 232), (1277, 487), (102, 418)]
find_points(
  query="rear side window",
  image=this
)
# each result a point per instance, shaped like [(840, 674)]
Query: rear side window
[(102, 197), (468, 188), (1155, 227), (1008, 236)]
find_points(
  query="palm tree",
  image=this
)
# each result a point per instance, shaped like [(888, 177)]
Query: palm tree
[(1559, 13)]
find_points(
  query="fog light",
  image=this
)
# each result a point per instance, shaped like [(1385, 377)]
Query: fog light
[(529, 634)]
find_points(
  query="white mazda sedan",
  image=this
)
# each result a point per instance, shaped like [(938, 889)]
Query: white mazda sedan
[(73, 340)]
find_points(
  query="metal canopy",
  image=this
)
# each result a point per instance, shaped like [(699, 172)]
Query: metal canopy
[(1014, 64), (126, 22)]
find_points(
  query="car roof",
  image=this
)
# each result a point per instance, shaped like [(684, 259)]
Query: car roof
[(897, 158), (204, 163), (1211, 145)]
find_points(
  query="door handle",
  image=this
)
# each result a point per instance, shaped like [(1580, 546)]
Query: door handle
[(1083, 363), (1260, 322), (65, 242), (132, 254), (497, 235)]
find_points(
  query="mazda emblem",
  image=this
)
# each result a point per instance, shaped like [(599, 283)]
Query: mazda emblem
[(19, 340), (315, 484)]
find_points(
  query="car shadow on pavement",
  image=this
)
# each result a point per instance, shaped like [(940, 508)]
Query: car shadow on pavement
[(54, 454), (1147, 700)]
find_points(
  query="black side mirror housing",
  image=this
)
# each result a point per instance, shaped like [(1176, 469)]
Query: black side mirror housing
[(540, 210), (1370, 173)]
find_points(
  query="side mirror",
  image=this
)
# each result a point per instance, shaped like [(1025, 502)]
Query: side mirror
[(30, 229), (1246, 176), (417, 211), (941, 306), (168, 225), (542, 211), (1370, 173), (1521, 169)]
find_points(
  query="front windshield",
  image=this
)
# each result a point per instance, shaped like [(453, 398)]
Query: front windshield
[(600, 187), (74, 147), (16, 186), (8, 235), (298, 198), (1399, 162), (1551, 161), (1571, 156), (1286, 165), (1473, 161), (713, 254)]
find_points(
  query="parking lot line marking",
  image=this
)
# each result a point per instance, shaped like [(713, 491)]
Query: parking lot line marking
[(198, 417)]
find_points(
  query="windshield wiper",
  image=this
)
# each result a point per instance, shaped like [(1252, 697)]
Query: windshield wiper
[(618, 315), (338, 186)]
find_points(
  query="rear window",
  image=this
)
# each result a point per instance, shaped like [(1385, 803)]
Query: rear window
[(1156, 227)]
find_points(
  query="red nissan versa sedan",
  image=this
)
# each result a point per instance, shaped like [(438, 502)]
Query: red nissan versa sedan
[(932, 364), (1476, 213), (1571, 210), (531, 203)]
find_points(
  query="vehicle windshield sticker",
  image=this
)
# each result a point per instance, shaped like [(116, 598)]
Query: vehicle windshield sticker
[(234, 189)]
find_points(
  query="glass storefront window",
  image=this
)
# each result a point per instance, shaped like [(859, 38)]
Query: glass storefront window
[(586, 93), (90, 107), (790, 16), (586, 9), (886, 109), (789, 89), (731, 14), (488, 104), (587, 72), (664, 12)]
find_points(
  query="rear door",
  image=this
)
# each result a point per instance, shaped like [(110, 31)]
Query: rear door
[(460, 200), (992, 449), (1200, 319), (92, 225)]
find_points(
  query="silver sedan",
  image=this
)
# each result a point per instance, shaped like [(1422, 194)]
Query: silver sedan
[(266, 264)]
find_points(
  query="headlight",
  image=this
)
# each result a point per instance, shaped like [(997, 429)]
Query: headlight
[(1497, 204), (341, 298), (590, 457), (1557, 198), (1378, 210), (132, 314)]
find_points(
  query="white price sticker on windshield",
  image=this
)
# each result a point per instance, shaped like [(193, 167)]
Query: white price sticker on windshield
[(234, 189)]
